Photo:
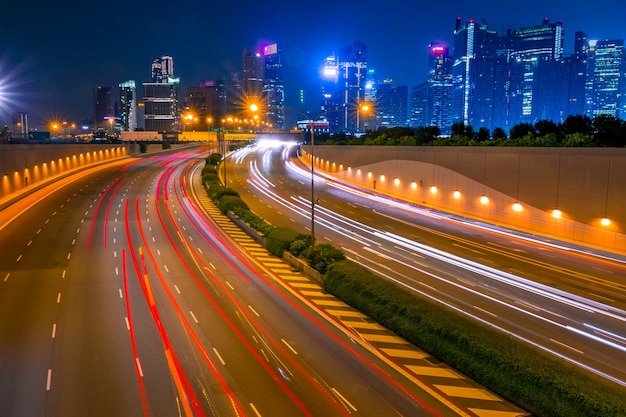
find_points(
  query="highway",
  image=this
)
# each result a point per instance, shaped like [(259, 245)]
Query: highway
[(120, 296), (566, 300)]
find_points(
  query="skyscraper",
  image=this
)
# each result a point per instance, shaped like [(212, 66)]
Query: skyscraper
[(344, 87), (253, 65), (473, 72), (105, 106), (160, 97), (608, 78), (273, 88), (128, 106), (391, 105), (539, 77), (440, 86)]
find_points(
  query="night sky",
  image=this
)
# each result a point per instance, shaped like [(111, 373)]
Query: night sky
[(52, 54)]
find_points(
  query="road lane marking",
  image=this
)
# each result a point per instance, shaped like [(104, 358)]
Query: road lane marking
[(253, 310), (77, 230), (485, 311), (49, 381), (212, 266), (59, 298), (166, 269), (73, 242), (69, 255), (567, 346), (342, 398), (121, 294), (54, 330), (255, 410), (18, 258), (127, 323), (7, 276), (193, 316), (29, 243), (219, 356), (289, 346), (38, 231), (139, 367), (63, 274), (230, 286), (176, 288)]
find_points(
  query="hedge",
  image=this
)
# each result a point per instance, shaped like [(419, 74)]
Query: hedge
[(540, 383)]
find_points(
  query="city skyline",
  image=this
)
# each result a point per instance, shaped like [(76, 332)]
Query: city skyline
[(51, 62)]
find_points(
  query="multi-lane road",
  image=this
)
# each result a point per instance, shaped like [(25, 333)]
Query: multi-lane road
[(120, 296), (567, 300)]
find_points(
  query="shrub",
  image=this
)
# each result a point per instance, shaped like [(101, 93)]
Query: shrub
[(300, 245), (224, 191), (214, 159), (256, 222), (320, 257), (279, 240), (230, 203)]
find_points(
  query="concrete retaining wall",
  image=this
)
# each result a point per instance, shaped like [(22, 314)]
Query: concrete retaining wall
[(585, 184), (24, 166)]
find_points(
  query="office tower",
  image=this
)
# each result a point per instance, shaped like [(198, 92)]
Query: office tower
[(539, 77), (253, 66), (331, 93), (160, 107), (419, 105), (608, 78), (128, 106), (202, 103), (440, 87), (578, 63), (105, 106), (473, 74), (343, 88), (229, 93), (162, 69), (20, 127), (273, 87), (390, 106), (160, 97)]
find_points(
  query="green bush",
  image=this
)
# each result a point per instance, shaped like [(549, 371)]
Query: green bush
[(256, 222), (210, 178), (320, 257), (298, 247), (214, 159), (224, 191), (209, 169), (540, 383), (279, 240), (231, 203)]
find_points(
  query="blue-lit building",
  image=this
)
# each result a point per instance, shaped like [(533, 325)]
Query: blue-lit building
[(128, 106), (273, 87), (609, 83), (390, 105), (473, 74), (343, 88)]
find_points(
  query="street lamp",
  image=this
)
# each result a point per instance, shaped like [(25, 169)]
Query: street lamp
[(365, 107)]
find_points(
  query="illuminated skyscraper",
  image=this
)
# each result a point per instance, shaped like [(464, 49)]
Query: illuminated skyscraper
[(390, 105), (473, 72), (160, 97), (273, 88), (608, 78), (344, 87), (253, 65), (105, 106), (128, 106)]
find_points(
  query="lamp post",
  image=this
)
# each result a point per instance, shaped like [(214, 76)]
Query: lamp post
[(311, 122)]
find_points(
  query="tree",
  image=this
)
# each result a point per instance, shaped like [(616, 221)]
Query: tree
[(544, 127), (498, 133), (522, 130), (577, 124), (483, 134), (607, 130)]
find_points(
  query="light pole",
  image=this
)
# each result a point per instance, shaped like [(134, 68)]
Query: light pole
[(311, 122)]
